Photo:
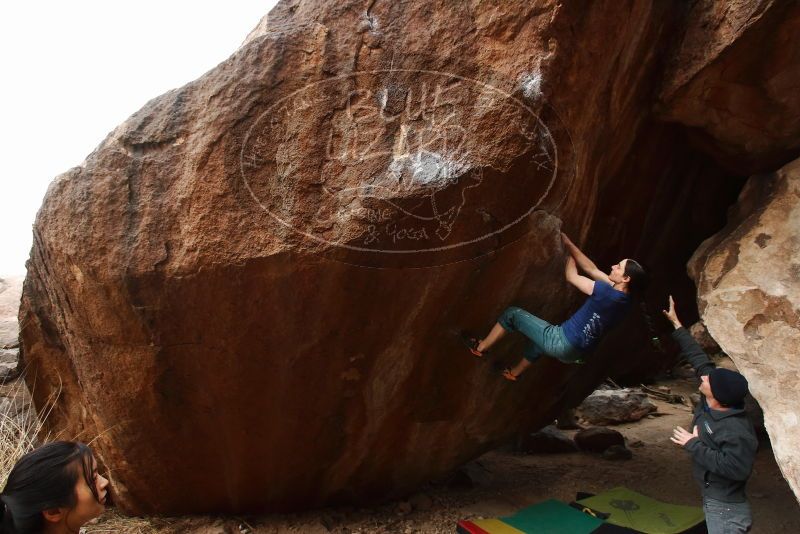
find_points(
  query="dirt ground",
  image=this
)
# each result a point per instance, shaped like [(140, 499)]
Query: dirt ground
[(503, 481)]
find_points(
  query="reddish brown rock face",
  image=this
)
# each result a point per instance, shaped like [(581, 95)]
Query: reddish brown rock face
[(733, 81), (748, 279), (248, 296)]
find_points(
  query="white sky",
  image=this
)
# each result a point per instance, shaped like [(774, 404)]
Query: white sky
[(72, 71)]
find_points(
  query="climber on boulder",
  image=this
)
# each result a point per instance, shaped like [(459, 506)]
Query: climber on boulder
[(609, 300)]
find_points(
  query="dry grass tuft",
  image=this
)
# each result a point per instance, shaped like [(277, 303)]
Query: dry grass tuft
[(113, 521), (20, 425)]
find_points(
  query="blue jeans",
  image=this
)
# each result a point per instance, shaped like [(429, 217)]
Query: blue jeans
[(727, 517), (544, 337)]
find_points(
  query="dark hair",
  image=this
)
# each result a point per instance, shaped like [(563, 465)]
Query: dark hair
[(41, 480), (637, 285), (639, 278)]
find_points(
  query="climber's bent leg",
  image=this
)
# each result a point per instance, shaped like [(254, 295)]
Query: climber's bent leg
[(496, 333)]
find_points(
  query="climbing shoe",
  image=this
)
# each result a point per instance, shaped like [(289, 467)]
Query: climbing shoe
[(508, 375), (472, 344)]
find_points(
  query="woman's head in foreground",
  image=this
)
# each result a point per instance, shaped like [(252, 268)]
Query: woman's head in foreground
[(54, 488)]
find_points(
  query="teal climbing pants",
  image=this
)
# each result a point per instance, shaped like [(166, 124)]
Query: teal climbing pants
[(543, 337)]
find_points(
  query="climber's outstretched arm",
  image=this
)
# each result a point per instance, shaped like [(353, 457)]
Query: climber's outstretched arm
[(583, 261), (581, 282)]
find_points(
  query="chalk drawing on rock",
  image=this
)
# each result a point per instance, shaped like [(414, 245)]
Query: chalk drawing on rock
[(422, 174), (532, 85), (405, 161)]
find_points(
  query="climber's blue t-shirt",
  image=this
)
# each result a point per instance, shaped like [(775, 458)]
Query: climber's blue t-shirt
[(602, 310)]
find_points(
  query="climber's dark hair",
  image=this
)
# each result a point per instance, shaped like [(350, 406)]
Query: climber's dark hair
[(637, 286), (41, 480), (639, 279)]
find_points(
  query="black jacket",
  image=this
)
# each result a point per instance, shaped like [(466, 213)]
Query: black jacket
[(724, 451)]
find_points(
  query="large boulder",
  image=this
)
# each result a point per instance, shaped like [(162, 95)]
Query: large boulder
[(220, 290), (249, 295), (748, 280)]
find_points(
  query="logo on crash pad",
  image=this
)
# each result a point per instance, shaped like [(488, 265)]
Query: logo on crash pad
[(398, 168)]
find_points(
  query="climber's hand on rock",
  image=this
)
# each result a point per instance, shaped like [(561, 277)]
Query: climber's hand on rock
[(567, 241)]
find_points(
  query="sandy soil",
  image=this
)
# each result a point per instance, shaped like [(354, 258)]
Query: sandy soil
[(503, 482)]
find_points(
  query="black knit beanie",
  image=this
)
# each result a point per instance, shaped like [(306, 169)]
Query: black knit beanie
[(728, 387)]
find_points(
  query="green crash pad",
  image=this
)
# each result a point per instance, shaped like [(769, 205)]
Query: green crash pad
[(636, 511), (548, 517)]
